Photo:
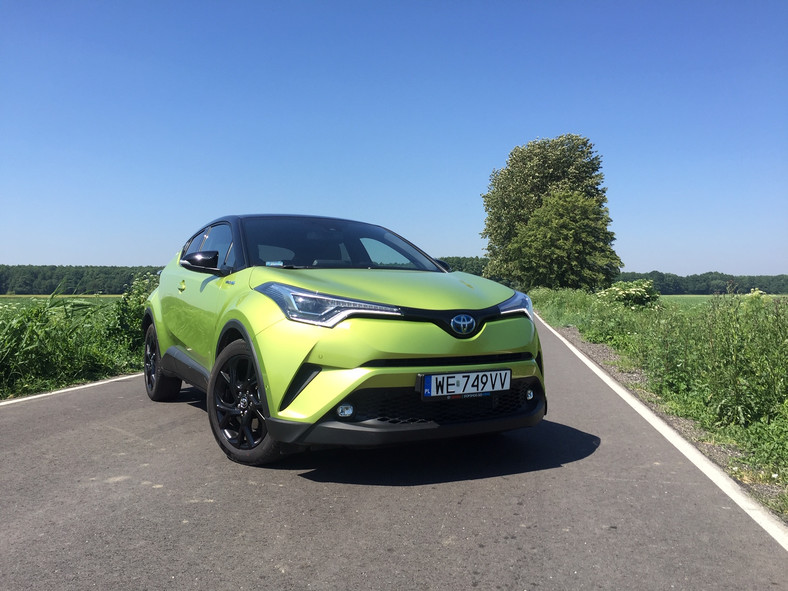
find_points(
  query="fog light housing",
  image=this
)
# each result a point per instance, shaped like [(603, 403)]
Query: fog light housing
[(345, 411), (529, 394)]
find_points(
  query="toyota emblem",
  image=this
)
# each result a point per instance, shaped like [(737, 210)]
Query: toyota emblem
[(463, 324)]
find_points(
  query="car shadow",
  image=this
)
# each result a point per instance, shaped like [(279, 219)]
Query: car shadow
[(189, 395), (545, 446)]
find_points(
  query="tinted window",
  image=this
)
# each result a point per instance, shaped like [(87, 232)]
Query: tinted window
[(196, 242), (327, 243), (229, 260), (384, 255), (220, 238)]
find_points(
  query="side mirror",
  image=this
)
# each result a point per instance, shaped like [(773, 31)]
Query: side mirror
[(206, 261)]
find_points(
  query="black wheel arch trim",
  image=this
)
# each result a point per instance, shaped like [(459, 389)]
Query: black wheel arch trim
[(147, 319), (225, 338), (168, 365)]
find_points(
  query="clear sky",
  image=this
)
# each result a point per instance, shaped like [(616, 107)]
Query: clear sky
[(124, 126)]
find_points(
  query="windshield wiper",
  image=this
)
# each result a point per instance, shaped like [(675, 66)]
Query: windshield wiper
[(287, 266)]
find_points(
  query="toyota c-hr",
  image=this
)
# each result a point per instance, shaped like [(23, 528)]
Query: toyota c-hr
[(307, 331)]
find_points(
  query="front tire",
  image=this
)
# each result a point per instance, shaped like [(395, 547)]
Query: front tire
[(160, 387), (236, 408)]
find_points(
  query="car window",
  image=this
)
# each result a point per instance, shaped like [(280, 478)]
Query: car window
[(383, 255), (305, 242), (271, 255), (195, 244), (229, 260), (220, 239)]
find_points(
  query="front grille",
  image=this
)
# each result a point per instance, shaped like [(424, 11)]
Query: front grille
[(446, 361), (405, 405)]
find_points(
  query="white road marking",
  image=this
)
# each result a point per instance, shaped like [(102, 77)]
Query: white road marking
[(773, 526), (64, 391)]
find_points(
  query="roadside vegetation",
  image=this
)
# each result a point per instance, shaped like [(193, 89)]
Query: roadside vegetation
[(51, 342), (719, 360)]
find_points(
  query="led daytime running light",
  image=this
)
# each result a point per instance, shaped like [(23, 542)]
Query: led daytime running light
[(321, 309), (518, 303)]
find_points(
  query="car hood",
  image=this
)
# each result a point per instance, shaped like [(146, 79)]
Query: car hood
[(410, 289)]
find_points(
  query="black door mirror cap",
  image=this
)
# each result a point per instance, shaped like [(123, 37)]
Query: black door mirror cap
[(205, 261)]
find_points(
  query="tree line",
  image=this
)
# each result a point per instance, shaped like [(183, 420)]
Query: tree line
[(47, 279), (666, 283), (67, 279), (711, 283)]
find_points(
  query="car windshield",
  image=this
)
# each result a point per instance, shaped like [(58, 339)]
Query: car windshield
[(305, 243)]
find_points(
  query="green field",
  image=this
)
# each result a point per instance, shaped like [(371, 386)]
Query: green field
[(688, 301), (28, 299)]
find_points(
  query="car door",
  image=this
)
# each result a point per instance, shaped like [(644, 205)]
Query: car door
[(194, 308)]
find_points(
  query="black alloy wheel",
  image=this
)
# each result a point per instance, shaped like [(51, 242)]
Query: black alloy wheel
[(236, 407), (159, 387), (237, 399)]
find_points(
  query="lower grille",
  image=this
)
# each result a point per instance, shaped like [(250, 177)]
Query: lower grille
[(405, 405)]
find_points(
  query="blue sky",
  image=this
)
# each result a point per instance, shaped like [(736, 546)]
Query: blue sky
[(124, 126)]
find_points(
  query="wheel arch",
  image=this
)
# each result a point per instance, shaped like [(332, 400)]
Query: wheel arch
[(152, 314), (147, 320), (235, 330), (232, 331)]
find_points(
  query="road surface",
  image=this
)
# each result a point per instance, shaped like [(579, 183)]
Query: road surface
[(101, 488)]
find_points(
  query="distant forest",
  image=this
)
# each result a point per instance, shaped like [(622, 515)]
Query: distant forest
[(668, 283), (711, 283), (47, 279)]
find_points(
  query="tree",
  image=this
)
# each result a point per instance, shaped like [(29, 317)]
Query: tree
[(544, 167), (566, 243), (472, 265), (45, 279)]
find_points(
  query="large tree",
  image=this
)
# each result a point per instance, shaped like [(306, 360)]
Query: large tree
[(566, 243), (561, 166)]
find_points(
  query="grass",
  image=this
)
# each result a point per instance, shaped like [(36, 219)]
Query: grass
[(719, 360), (686, 301), (54, 341), (24, 301)]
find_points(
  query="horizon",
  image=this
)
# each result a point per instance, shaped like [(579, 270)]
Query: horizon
[(442, 258), (126, 127)]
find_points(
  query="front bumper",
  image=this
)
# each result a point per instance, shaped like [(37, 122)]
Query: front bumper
[(375, 364), (389, 416)]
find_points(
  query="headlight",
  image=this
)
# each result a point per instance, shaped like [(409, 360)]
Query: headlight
[(519, 302), (321, 309)]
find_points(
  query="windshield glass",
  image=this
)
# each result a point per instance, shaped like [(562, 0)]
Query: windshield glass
[(305, 242)]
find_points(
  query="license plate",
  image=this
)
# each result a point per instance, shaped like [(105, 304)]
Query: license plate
[(465, 385)]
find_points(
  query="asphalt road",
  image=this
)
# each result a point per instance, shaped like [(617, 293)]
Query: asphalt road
[(101, 488)]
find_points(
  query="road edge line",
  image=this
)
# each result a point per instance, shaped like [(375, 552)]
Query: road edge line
[(773, 526), (66, 390)]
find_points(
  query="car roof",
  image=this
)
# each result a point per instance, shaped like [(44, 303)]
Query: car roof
[(239, 217)]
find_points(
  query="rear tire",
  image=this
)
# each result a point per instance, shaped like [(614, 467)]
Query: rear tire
[(160, 387), (237, 408)]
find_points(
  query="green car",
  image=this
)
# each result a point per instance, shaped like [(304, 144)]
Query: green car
[(309, 331)]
